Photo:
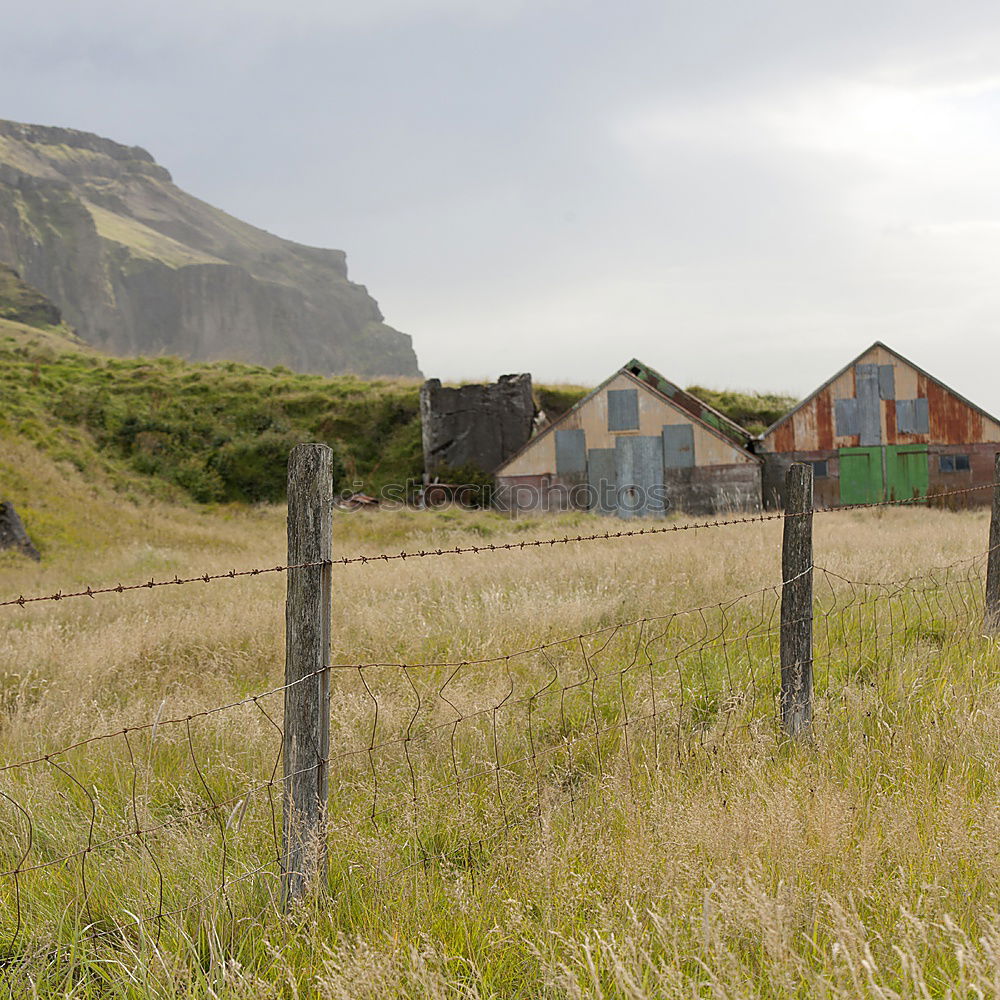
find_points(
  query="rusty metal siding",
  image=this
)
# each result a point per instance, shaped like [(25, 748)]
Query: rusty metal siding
[(678, 446), (623, 409), (824, 420), (571, 453), (891, 422), (783, 438), (951, 420)]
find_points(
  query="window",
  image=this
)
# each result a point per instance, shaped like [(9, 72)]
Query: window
[(820, 469), (954, 463)]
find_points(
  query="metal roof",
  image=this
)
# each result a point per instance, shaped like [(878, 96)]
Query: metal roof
[(634, 370), (850, 364)]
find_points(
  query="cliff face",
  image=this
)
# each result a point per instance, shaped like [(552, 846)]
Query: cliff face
[(140, 267)]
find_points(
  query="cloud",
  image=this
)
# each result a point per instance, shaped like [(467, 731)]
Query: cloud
[(739, 193)]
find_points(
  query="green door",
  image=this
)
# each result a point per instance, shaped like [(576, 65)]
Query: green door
[(906, 471), (861, 475)]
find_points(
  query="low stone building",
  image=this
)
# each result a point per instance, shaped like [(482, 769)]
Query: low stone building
[(882, 429), (636, 446)]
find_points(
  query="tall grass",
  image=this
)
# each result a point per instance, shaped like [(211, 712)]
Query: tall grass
[(706, 857)]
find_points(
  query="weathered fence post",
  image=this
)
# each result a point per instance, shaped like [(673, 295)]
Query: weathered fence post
[(797, 602), (992, 622), (306, 746)]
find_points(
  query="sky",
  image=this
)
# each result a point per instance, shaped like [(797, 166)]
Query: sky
[(741, 194)]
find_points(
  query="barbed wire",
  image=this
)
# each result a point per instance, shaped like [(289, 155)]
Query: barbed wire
[(121, 588), (458, 743), (385, 557)]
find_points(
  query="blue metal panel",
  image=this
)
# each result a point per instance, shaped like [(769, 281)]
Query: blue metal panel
[(912, 416), (571, 453), (887, 381), (623, 409), (678, 446), (639, 471), (847, 417), (904, 416), (602, 479), (869, 407)]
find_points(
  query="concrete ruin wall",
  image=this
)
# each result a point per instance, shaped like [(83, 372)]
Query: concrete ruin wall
[(477, 425)]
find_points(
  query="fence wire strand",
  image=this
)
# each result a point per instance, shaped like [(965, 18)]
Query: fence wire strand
[(521, 546), (437, 765)]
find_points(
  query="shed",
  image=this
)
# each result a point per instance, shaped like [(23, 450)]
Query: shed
[(635, 446), (882, 429)]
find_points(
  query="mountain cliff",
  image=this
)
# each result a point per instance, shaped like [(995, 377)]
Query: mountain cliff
[(138, 266)]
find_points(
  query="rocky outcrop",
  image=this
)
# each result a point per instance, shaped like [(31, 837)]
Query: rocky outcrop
[(138, 266), (12, 533), (475, 425), (21, 303)]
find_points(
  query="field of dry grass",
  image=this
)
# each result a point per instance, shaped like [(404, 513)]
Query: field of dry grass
[(694, 859)]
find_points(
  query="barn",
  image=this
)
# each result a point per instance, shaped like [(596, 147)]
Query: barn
[(882, 429), (637, 446)]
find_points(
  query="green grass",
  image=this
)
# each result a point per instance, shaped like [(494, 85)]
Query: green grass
[(694, 854), (218, 432), (754, 411)]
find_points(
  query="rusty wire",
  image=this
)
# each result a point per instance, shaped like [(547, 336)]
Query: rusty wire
[(121, 588), (385, 557), (458, 755)]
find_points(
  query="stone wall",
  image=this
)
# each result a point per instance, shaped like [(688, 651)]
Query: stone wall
[(475, 425)]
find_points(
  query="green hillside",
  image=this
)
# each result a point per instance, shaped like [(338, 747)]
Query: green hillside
[(217, 431), (212, 432), (754, 411)]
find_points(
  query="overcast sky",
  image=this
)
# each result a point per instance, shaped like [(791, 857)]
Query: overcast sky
[(740, 194)]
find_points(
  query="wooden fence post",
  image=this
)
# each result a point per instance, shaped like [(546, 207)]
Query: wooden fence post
[(797, 602), (306, 745), (992, 622)]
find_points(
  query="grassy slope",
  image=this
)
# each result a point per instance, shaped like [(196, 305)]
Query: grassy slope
[(755, 411), (216, 432)]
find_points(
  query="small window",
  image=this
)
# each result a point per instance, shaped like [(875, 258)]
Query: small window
[(820, 469), (954, 463)]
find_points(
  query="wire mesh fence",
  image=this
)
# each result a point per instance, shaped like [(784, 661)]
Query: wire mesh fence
[(436, 766)]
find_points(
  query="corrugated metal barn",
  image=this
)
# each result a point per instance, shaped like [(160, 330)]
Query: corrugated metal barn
[(637, 446), (882, 429)]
